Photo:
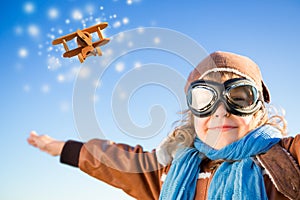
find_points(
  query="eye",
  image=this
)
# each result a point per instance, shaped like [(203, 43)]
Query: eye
[(242, 96)]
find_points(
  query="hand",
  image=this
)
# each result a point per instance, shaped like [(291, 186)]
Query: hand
[(45, 143)]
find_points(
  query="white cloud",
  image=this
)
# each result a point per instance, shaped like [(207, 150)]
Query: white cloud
[(77, 15), (29, 7), (53, 13), (33, 30), (101, 8), (120, 67), (67, 21), (23, 53)]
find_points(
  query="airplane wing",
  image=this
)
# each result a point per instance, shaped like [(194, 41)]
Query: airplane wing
[(72, 52)]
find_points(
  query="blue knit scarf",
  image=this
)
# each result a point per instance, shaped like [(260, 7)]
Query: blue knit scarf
[(237, 178)]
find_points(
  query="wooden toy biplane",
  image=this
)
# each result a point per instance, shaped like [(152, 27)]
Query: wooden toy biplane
[(86, 46)]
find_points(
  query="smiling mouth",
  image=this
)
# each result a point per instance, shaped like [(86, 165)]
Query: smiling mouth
[(223, 128)]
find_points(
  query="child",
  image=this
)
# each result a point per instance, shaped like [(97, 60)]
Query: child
[(228, 147)]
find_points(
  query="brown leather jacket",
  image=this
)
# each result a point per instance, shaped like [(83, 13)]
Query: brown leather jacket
[(140, 175)]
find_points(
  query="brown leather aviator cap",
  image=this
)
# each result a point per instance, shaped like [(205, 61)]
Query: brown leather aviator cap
[(230, 62)]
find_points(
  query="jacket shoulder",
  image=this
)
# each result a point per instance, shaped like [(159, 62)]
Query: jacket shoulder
[(292, 145)]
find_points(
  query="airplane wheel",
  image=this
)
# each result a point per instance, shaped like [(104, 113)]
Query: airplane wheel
[(80, 57), (99, 52)]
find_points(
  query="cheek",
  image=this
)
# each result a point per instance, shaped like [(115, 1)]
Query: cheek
[(246, 120), (201, 127), (246, 124)]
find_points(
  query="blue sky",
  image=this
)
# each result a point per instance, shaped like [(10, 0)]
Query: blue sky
[(38, 85)]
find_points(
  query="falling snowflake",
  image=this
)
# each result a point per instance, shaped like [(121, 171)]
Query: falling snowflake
[(123, 95), (45, 88), (77, 15), (97, 83), (26, 88), (53, 63), (117, 24), (18, 30), (90, 8), (33, 30), (64, 106), (141, 30), (137, 65), (156, 40), (95, 98), (53, 13), (120, 67), (23, 53), (61, 78), (125, 20), (28, 7), (84, 72)]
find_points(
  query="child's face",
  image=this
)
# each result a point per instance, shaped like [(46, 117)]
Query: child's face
[(220, 129)]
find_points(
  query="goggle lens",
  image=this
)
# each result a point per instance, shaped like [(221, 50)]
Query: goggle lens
[(201, 97), (242, 96)]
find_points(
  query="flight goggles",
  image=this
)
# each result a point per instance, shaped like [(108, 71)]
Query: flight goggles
[(239, 95)]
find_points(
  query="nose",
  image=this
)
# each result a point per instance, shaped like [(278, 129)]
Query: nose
[(221, 111)]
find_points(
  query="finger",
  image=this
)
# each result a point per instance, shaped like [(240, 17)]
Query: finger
[(31, 141), (33, 133), (31, 137), (34, 139)]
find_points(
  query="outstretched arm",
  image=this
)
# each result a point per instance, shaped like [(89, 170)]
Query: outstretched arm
[(45, 143)]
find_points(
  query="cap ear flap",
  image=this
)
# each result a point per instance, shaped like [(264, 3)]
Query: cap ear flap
[(266, 93)]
